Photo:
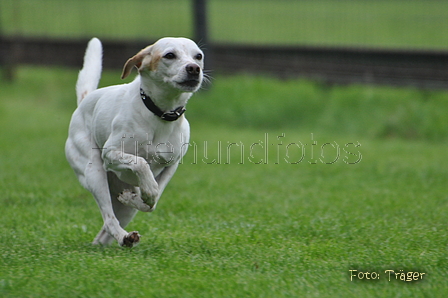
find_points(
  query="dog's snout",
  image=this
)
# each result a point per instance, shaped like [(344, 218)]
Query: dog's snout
[(193, 69)]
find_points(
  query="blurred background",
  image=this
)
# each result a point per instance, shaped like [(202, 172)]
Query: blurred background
[(411, 24), (265, 58), (391, 42)]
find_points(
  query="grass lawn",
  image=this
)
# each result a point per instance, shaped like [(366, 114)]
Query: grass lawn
[(286, 219), (380, 23)]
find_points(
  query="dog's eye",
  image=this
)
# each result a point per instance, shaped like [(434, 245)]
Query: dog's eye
[(169, 56), (198, 57)]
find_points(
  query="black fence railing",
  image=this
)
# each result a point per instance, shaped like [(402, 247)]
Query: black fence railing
[(420, 68)]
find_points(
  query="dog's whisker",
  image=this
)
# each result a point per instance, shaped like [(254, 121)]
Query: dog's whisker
[(206, 81)]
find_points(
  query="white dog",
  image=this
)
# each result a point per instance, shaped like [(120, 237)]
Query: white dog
[(125, 141)]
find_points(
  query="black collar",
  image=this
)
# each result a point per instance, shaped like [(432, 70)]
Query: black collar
[(167, 116)]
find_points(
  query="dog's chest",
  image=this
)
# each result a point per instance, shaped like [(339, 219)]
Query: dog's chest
[(160, 148)]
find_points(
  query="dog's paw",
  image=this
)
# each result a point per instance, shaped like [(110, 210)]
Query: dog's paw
[(131, 239), (133, 200), (128, 198)]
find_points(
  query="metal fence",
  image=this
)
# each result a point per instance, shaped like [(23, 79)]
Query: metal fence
[(374, 41)]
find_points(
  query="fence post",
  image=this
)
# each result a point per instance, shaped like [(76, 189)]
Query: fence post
[(201, 30), (7, 60), (200, 21)]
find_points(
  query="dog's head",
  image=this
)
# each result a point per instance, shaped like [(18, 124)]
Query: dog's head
[(177, 62)]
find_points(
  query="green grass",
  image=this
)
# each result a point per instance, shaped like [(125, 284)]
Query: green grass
[(398, 23), (384, 23), (231, 229), (102, 18), (302, 105)]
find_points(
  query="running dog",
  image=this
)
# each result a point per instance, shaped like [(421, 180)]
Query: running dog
[(125, 141)]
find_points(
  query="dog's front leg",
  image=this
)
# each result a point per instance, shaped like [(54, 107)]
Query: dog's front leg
[(135, 171)]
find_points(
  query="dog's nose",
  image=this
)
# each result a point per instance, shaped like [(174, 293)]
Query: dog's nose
[(193, 69)]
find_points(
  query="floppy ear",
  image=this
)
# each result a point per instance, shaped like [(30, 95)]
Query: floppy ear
[(135, 61)]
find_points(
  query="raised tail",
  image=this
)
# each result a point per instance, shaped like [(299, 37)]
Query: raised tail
[(90, 74)]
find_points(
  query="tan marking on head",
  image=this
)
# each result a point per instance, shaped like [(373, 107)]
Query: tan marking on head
[(154, 61), (135, 61)]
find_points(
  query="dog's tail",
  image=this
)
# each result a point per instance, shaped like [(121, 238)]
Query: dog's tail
[(90, 74)]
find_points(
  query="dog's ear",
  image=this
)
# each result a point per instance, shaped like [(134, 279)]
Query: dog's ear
[(135, 61)]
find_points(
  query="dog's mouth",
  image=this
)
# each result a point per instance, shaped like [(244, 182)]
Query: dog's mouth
[(189, 83)]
